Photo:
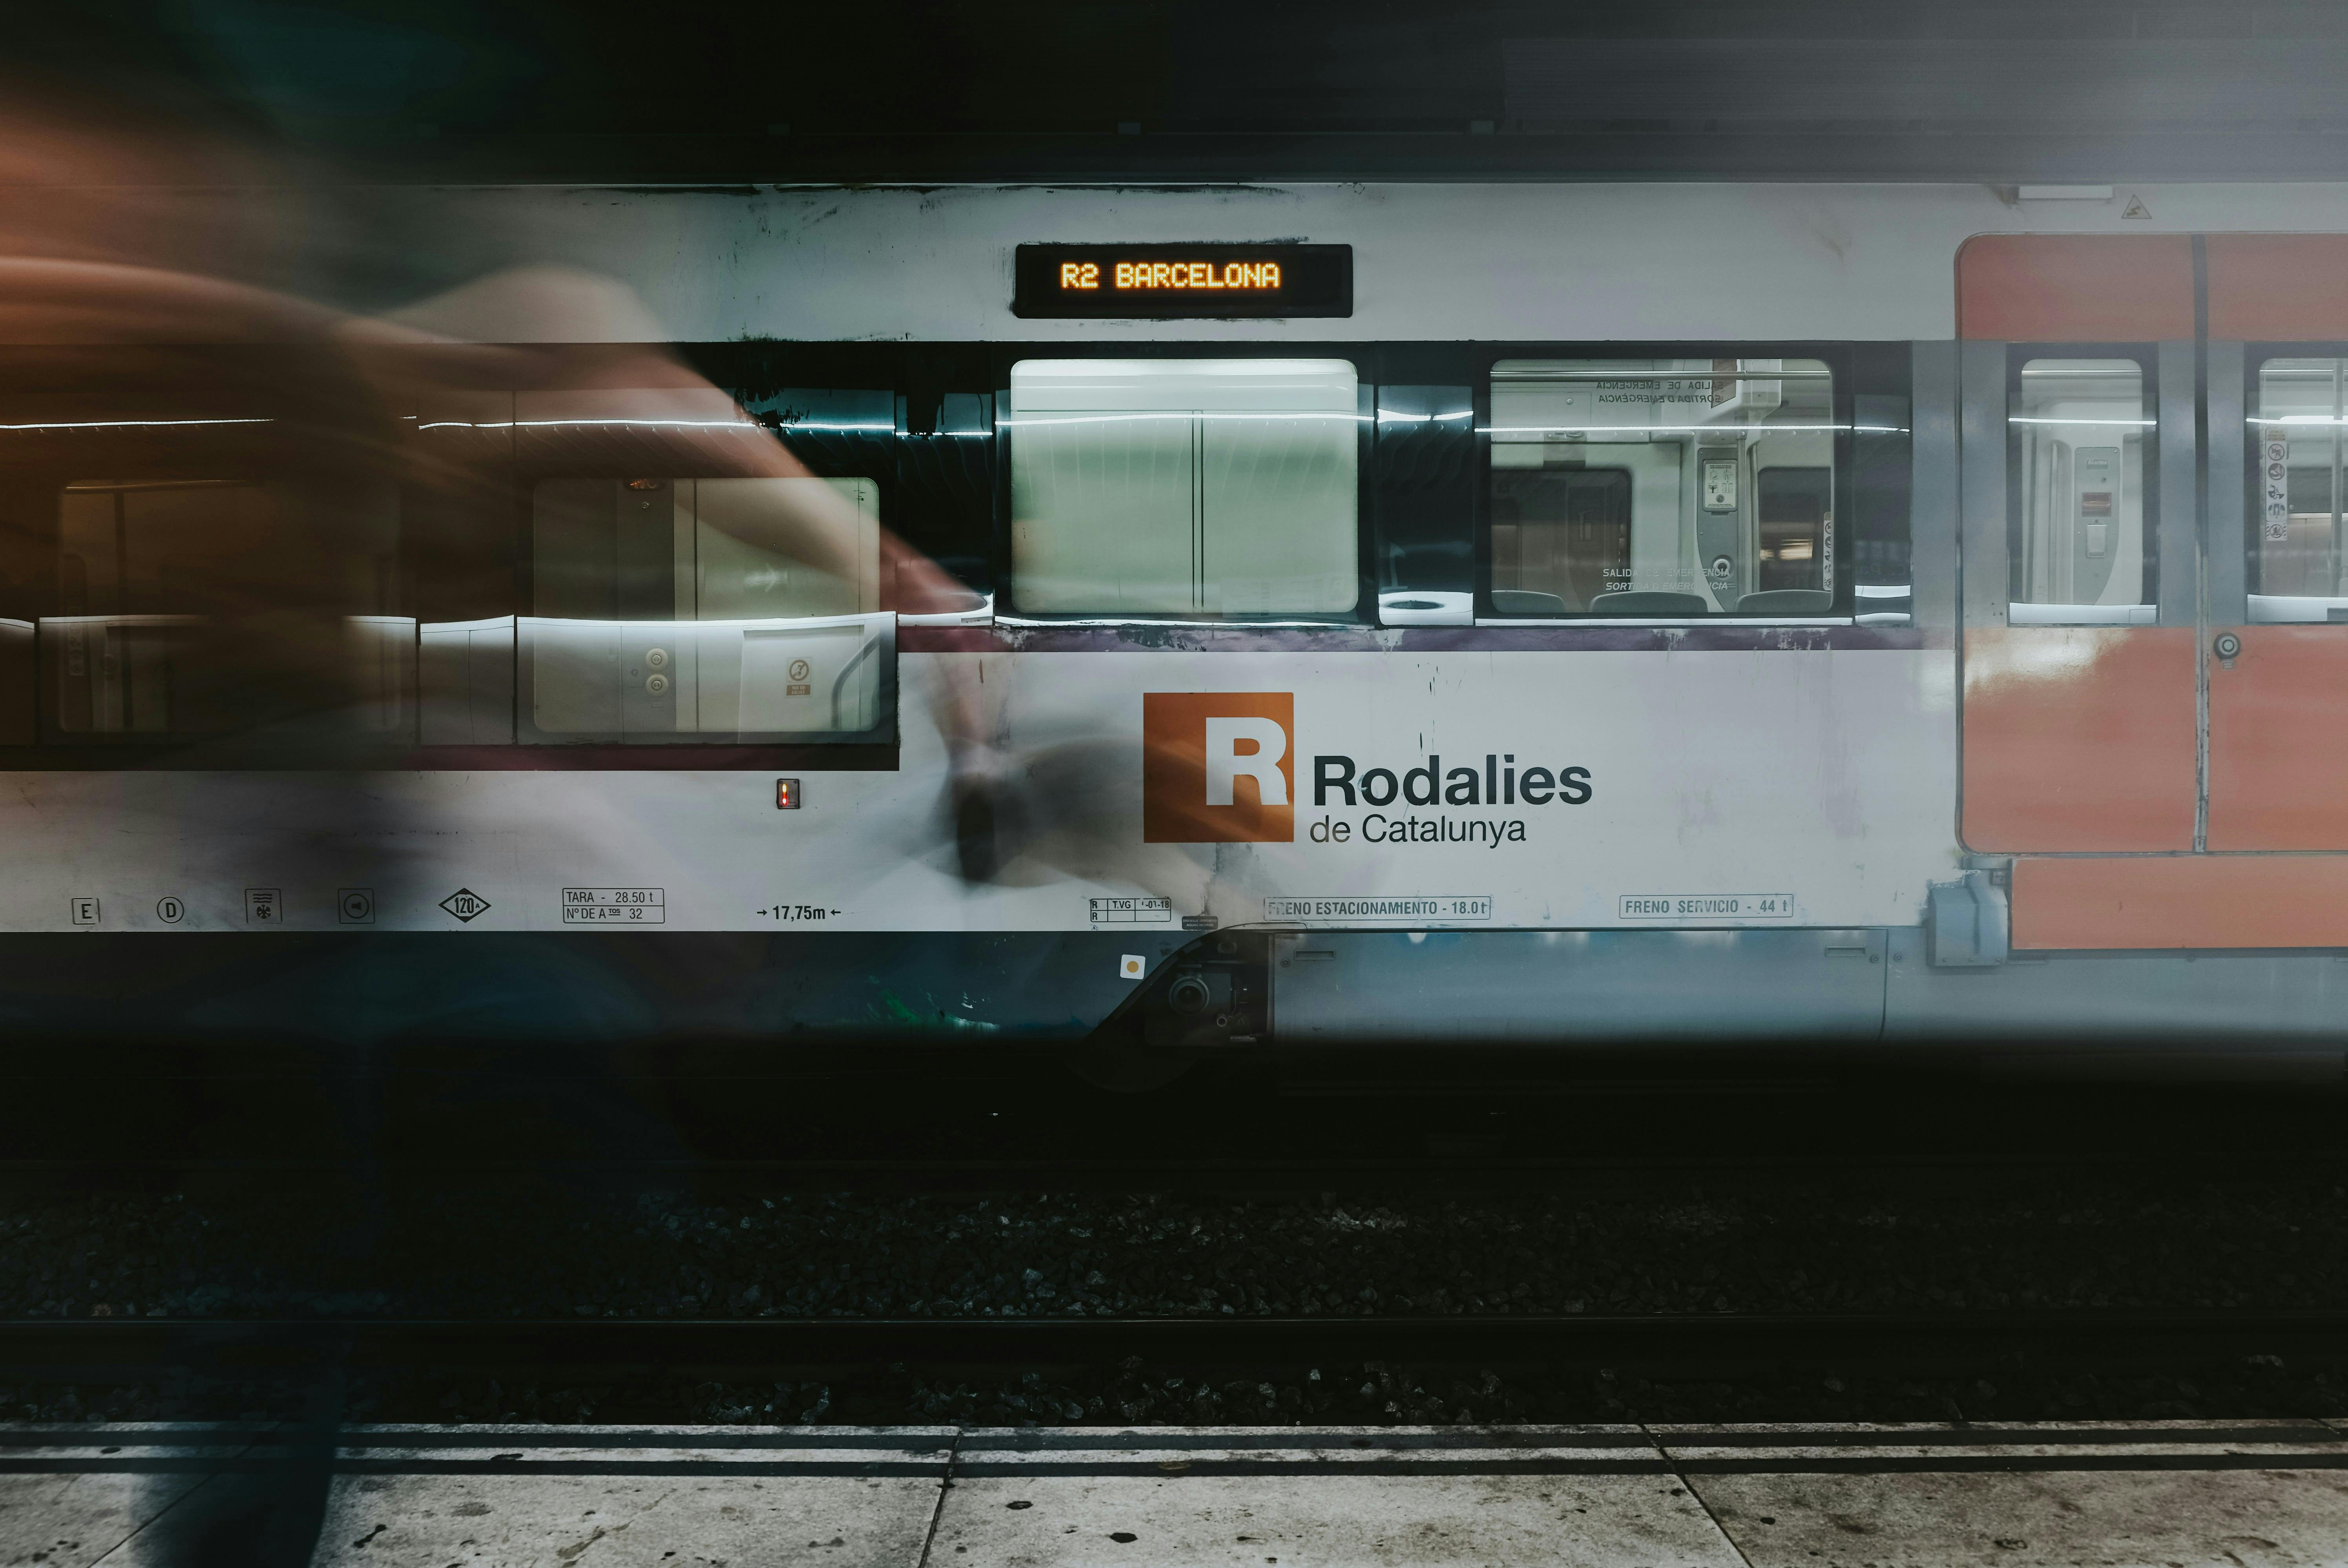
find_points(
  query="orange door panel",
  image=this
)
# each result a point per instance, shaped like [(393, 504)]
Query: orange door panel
[(2182, 901), (2079, 738), (2278, 741), (2075, 288), (2276, 288)]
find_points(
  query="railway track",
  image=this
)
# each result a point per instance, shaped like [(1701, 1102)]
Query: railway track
[(936, 1123), (1465, 1166), (1689, 1346), (1034, 1151)]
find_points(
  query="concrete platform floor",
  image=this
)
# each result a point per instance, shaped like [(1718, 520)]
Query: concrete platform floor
[(2242, 1495)]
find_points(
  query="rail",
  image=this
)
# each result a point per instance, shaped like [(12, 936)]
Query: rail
[(1690, 1344)]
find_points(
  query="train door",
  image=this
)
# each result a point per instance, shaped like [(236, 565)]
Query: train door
[(2278, 752), (2079, 730), (2279, 669), (2160, 739)]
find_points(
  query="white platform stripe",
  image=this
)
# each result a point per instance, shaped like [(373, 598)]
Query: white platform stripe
[(642, 1461), (1068, 1438), (126, 1453), (1798, 1431), (29, 1448), (577, 1435), (504, 1449), (1260, 1450), (2019, 1441), (1295, 1464)]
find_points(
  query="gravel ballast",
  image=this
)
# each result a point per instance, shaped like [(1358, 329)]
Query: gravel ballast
[(1743, 1242), (1753, 1244)]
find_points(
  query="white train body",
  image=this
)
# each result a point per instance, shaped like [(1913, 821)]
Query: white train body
[(1656, 761)]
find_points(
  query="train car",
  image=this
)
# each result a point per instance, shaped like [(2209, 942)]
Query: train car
[(1210, 618)]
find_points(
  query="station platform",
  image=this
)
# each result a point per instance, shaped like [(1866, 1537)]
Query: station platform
[(2246, 1495)]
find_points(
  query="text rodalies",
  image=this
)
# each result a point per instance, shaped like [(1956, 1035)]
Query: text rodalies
[(1339, 780)]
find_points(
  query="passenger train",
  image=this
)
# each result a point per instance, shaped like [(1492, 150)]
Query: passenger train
[(1206, 619)]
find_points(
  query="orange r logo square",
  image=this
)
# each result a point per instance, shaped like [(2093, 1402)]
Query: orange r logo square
[(1217, 767)]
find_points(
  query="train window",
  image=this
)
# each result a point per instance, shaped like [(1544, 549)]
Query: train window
[(2079, 431), (2296, 561), (704, 549), (207, 607), (1218, 486), (682, 610), (1659, 489)]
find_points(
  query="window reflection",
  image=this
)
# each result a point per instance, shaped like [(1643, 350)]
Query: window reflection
[(200, 607), (2296, 452), (1662, 488), (2079, 430), (671, 609)]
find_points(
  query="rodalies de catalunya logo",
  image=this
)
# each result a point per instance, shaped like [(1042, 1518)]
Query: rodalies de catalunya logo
[(1218, 767)]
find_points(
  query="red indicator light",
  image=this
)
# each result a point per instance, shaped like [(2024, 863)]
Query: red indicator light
[(787, 795)]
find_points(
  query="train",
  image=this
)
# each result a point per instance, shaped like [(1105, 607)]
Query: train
[(1206, 619)]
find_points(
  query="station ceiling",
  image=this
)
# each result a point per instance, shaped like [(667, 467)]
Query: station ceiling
[(1179, 90)]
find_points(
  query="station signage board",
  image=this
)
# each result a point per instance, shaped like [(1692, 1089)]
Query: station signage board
[(1181, 282)]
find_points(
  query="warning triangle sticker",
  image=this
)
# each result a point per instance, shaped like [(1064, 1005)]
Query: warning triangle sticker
[(2135, 208)]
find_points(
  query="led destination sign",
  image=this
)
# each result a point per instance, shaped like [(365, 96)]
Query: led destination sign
[(1162, 283), (1172, 275)]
